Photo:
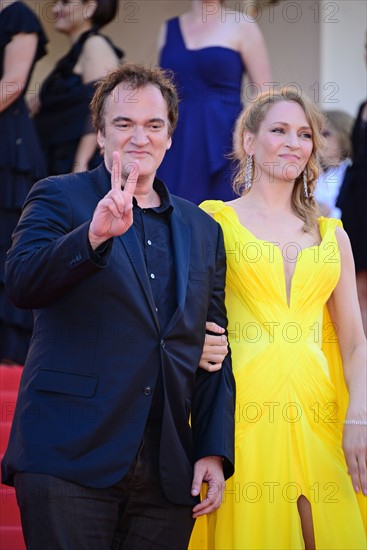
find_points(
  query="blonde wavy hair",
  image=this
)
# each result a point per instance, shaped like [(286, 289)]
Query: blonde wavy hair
[(251, 118)]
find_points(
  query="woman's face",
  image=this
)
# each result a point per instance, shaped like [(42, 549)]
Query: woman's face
[(73, 15), (283, 144)]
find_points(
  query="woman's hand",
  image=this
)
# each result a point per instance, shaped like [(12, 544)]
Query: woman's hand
[(33, 103), (355, 450), (215, 348)]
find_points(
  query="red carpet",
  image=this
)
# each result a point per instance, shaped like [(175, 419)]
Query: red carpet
[(11, 537)]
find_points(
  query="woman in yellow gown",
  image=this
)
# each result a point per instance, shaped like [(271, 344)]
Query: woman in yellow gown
[(287, 271)]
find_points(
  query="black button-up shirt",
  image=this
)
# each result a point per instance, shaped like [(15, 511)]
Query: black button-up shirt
[(153, 230)]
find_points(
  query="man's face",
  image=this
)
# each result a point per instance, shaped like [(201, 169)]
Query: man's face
[(136, 125)]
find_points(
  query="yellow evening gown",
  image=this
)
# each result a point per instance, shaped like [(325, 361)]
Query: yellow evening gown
[(291, 399)]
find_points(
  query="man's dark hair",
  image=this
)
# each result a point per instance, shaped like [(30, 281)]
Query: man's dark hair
[(135, 76)]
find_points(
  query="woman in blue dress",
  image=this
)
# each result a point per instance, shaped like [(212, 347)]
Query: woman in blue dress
[(22, 43), (209, 49)]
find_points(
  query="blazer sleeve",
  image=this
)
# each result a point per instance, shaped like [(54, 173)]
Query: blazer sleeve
[(49, 255), (213, 405)]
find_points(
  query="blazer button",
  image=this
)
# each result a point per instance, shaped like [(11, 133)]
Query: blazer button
[(147, 390), (163, 344)]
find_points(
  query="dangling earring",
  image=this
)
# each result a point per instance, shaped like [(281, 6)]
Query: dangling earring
[(248, 173), (305, 188)]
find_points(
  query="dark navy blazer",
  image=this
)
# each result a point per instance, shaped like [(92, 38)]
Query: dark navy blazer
[(97, 346)]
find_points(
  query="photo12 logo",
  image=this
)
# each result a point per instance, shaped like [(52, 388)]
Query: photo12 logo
[(289, 12), (272, 491)]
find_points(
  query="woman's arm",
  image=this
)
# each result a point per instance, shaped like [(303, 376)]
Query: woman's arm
[(86, 147), (18, 60), (96, 60), (162, 33), (346, 315), (254, 54)]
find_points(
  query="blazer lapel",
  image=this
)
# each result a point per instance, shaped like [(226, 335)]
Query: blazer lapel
[(181, 251), (101, 180)]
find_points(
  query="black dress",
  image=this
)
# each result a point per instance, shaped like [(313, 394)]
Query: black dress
[(64, 115), (352, 199), (21, 165)]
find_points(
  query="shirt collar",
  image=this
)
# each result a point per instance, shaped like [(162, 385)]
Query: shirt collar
[(158, 186), (166, 205)]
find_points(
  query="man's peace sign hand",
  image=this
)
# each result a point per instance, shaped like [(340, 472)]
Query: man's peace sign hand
[(113, 215)]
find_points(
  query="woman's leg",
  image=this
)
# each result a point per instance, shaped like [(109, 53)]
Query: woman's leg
[(305, 512)]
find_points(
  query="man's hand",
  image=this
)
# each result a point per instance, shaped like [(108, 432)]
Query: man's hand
[(210, 470), (113, 215), (215, 348)]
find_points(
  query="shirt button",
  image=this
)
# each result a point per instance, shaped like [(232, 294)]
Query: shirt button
[(149, 242), (163, 344), (156, 309), (152, 276), (147, 390), (19, 141)]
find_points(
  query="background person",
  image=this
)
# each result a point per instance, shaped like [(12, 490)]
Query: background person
[(335, 160), (209, 53), (22, 44), (352, 200), (62, 114)]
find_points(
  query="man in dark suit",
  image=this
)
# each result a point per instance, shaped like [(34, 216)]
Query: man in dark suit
[(116, 427)]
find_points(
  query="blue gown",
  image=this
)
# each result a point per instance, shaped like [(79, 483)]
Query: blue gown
[(21, 165), (209, 82)]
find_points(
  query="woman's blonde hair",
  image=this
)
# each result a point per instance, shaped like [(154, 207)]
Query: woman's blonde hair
[(251, 118)]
